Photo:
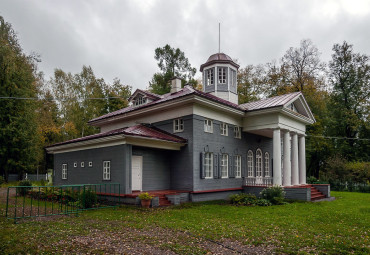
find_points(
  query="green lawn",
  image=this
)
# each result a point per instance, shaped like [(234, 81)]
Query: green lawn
[(338, 227)]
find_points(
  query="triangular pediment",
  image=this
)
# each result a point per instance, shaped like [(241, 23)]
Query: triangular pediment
[(299, 105)]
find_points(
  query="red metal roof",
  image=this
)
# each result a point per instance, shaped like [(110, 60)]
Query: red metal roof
[(219, 58), (270, 102), (138, 130), (187, 90)]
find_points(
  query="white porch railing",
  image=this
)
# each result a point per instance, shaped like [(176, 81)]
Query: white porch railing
[(258, 181)]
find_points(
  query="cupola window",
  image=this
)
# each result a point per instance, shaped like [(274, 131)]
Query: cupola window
[(233, 78), (222, 75), (210, 77)]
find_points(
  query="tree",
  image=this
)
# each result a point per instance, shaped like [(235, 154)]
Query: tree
[(172, 62), (82, 97), (350, 79), (251, 83), (19, 138), (301, 69)]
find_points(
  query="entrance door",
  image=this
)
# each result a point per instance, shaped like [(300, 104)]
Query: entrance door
[(137, 172)]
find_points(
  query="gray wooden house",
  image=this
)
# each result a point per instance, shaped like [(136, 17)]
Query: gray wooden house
[(191, 145)]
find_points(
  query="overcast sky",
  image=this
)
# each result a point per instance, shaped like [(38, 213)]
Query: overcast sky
[(118, 38)]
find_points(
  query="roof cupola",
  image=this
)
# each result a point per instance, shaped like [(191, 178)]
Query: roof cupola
[(219, 77)]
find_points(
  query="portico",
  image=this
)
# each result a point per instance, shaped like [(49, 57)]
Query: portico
[(283, 119)]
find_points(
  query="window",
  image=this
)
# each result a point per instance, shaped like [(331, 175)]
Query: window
[(208, 126), (224, 129), (222, 75), (267, 164), (238, 166), (258, 163), (64, 171), (82, 164), (224, 165), (178, 125), (106, 170), (210, 77), (90, 164), (250, 164), (208, 165), (139, 100), (292, 107), (237, 132), (75, 164), (233, 78)]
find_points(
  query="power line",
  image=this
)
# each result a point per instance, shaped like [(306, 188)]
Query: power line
[(342, 138), (52, 99)]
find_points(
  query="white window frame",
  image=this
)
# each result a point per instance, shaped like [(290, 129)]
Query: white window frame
[(250, 163), (208, 126), (267, 164), (238, 166), (232, 78), (75, 164), (222, 75), (64, 171), (82, 164), (258, 163), (106, 170), (178, 125), (224, 129), (139, 100), (237, 132), (90, 164), (224, 165), (208, 165), (210, 77)]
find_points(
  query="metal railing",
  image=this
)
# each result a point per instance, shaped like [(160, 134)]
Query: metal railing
[(29, 201), (258, 181)]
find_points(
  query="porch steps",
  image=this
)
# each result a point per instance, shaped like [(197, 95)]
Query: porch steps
[(315, 194)]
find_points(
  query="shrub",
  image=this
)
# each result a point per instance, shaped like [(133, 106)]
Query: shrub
[(274, 194), (248, 200), (88, 199), (145, 196), (23, 191), (2, 180)]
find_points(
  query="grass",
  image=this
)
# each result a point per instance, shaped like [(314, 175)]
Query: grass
[(338, 227)]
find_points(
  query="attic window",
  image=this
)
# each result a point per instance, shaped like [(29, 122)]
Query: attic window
[(210, 77), (292, 107), (139, 100)]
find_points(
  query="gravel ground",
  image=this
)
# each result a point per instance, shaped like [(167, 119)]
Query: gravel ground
[(128, 240)]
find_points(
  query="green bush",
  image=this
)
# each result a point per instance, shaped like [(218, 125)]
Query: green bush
[(23, 191), (145, 196), (88, 199), (2, 180), (274, 194), (248, 200)]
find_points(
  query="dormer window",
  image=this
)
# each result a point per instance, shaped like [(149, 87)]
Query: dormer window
[(139, 100), (222, 75), (210, 77), (292, 107)]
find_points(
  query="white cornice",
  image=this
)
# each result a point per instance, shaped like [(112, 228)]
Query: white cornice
[(168, 105)]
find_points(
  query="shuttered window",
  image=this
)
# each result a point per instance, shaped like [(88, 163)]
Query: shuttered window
[(208, 165), (224, 166), (238, 166)]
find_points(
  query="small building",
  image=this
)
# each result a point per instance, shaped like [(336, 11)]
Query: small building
[(190, 145)]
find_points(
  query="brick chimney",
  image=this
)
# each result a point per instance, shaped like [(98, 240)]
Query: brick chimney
[(175, 84)]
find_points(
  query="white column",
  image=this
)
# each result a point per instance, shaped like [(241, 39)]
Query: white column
[(302, 160), (287, 172), (295, 175), (277, 158)]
